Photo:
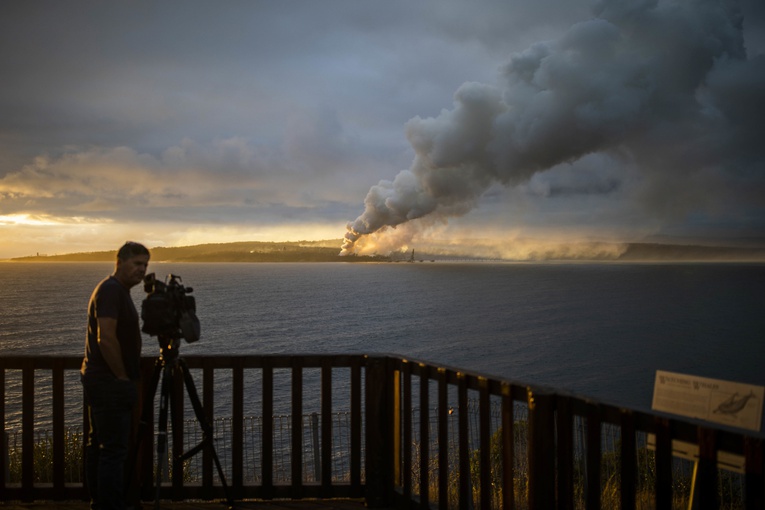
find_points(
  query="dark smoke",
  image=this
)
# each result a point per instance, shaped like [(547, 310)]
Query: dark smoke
[(666, 84)]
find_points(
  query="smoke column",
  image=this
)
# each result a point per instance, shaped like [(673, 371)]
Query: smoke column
[(655, 81)]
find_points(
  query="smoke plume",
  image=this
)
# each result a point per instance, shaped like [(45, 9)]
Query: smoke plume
[(659, 82)]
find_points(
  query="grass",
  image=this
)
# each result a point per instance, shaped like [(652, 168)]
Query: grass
[(730, 486), (43, 457)]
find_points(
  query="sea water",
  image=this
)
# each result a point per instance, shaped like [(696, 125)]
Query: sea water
[(598, 330)]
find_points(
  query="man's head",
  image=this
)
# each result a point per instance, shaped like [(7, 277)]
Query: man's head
[(132, 261)]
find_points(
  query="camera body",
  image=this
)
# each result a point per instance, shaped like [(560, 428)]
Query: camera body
[(168, 311)]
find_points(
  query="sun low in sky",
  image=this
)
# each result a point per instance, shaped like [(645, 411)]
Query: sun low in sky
[(388, 124)]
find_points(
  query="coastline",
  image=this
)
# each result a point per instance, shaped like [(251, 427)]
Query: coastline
[(328, 251)]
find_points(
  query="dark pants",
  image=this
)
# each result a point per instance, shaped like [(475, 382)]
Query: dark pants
[(110, 409)]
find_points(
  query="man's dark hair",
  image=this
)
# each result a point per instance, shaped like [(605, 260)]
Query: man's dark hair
[(131, 249)]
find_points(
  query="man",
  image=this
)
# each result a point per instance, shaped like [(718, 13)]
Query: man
[(110, 371)]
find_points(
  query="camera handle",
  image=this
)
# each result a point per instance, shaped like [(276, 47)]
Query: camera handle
[(166, 365)]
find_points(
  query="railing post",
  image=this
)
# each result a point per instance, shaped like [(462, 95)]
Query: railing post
[(704, 486), (594, 456), (508, 449), (663, 456), (755, 470), (564, 421), (628, 460), (541, 450), (380, 445)]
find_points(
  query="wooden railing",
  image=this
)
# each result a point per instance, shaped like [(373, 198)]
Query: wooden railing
[(405, 448)]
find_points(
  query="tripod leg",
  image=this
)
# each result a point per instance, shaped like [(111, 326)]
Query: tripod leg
[(167, 380), (207, 429)]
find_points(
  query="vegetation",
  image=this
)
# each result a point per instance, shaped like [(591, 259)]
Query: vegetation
[(730, 486), (300, 251), (329, 251), (43, 457), (73, 458)]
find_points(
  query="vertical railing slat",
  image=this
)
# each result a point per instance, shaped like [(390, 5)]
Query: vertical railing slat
[(508, 449), (27, 430), (443, 440), (594, 453), (237, 429), (208, 402), (326, 428), (267, 440), (463, 436), (424, 437), (406, 447), (629, 460), (663, 464), (396, 424), (296, 454), (564, 420), (58, 427), (355, 428), (755, 473), (176, 420), (484, 410)]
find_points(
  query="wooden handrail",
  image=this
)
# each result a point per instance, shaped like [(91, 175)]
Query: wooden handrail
[(401, 454)]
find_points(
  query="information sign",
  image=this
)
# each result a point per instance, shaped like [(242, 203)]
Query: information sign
[(724, 402)]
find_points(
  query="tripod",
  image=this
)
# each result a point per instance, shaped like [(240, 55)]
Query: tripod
[(166, 364)]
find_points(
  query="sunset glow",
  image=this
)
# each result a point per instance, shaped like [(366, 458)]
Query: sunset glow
[(26, 219), (557, 123)]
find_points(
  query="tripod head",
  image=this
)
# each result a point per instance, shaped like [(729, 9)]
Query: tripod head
[(169, 347)]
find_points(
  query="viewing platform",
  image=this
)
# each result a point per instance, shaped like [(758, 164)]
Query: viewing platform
[(201, 505), (379, 431)]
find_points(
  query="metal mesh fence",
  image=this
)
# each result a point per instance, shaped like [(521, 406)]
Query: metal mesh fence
[(731, 484)]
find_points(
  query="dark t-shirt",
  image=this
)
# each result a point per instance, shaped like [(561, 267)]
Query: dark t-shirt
[(111, 299)]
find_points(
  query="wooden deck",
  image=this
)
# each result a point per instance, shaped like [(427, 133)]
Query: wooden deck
[(307, 504)]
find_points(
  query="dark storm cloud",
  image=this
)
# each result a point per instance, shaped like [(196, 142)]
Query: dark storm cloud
[(266, 111)]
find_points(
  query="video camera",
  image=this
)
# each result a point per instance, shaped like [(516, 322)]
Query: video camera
[(168, 311)]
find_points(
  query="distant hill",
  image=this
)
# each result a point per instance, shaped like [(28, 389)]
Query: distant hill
[(328, 251), (255, 251), (679, 252)]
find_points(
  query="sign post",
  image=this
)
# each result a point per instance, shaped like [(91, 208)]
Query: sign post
[(722, 402)]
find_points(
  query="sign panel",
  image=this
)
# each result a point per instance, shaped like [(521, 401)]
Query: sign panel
[(724, 402), (689, 451)]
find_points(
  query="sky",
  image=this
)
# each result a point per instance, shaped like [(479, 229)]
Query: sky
[(391, 124)]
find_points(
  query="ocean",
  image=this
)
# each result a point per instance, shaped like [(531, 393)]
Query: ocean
[(598, 330)]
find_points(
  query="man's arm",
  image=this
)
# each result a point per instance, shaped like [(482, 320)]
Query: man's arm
[(110, 346)]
